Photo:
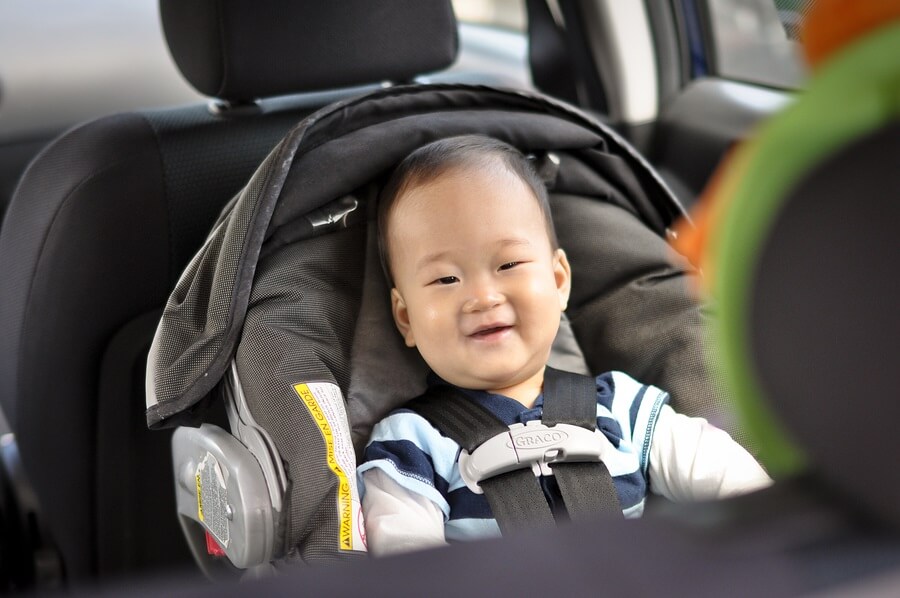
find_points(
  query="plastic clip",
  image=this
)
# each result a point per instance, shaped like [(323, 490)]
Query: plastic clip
[(533, 445), (333, 215)]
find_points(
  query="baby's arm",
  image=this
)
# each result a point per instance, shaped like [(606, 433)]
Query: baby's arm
[(398, 520), (691, 459)]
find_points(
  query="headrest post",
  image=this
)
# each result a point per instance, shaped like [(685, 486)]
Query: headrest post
[(226, 108)]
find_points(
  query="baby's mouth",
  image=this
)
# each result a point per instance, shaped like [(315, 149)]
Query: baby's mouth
[(490, 331)]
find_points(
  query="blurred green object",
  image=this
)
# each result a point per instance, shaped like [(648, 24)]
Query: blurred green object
[(854, 93)]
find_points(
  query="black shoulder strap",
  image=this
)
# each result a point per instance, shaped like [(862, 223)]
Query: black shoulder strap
[(516, 498), (587, 488), (559, 56), (548, 53)]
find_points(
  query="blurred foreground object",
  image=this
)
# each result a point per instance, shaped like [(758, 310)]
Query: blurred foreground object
[(797, 238)]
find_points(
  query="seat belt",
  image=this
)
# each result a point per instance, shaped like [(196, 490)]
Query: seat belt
[(559, 56), (549, 54), (503, 461)]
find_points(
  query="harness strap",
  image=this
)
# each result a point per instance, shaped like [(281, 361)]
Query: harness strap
[(569, 399), (587, 488), (516, 498)]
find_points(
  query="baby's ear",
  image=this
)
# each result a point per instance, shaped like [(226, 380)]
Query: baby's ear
[(562, 273), (401, 317)]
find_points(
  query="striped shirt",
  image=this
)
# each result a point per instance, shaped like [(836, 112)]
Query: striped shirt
[(420, 459)]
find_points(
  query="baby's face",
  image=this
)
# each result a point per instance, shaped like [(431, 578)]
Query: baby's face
[(479, 290)]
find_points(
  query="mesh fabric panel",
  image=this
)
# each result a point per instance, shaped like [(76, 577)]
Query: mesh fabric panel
[(301, 316), (631, 309), (207, 158), (208, 283)]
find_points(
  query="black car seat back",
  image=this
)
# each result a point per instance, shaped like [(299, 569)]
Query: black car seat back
[(105, 220)]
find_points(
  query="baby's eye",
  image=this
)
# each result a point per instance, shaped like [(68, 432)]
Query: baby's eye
[(445, 280), (509, 265)]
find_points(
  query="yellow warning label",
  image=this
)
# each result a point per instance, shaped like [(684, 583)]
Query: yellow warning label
[(335, 453), (199, 497)]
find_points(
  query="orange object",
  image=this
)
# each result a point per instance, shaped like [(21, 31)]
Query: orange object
[(692, 240), (831, 24)]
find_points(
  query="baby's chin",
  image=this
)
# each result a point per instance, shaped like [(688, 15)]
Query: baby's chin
[(490, 381), (473, 379)]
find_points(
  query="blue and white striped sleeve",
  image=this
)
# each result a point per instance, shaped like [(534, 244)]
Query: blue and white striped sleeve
[(413, 454), (636, 407)]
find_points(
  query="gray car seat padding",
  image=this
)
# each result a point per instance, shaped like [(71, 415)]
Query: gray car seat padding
[(631, 309), (287, 301)]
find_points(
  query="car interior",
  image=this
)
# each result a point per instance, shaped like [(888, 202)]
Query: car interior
[(104, 221), (115, 257)]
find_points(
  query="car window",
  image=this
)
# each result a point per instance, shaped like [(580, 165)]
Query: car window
[(62, 62), (757, 40)]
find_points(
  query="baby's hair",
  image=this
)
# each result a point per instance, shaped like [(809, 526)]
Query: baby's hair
[(430, 161)]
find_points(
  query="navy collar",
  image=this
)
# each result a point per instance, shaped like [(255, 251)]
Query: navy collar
[(507, 410)]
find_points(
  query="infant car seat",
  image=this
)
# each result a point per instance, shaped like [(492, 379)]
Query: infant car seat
[(284, 311)]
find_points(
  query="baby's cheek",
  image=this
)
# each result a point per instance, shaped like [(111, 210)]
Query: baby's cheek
[(430, 315), (432, 326), (543, 295), (432, 322)]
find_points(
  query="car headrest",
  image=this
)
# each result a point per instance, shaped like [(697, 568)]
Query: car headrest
[(240, 50)]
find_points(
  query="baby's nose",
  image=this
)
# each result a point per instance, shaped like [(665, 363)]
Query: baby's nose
[(483, 297)]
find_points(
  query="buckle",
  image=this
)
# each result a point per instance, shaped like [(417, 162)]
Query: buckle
[(533, 445)]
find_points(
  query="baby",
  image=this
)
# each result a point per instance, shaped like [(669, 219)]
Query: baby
[(479, 284)]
